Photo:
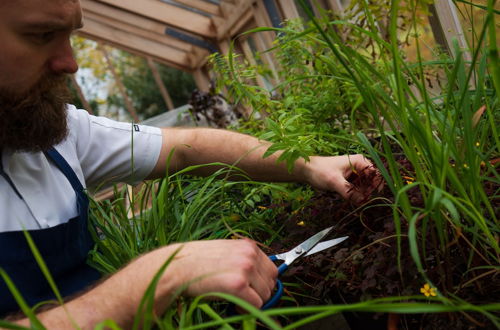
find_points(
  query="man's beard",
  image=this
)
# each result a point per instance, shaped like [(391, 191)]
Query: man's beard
[(35, 120)]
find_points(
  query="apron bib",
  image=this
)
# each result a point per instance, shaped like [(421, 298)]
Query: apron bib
[(64, 248)]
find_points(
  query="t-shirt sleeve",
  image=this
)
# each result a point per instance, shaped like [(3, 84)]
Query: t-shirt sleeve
[(111, 151)]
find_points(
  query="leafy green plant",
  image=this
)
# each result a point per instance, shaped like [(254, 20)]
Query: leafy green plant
[(179, 208), (305, 114), (449, 142)]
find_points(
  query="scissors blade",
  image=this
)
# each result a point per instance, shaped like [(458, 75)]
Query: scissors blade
[(318, 248), (326, 245), (305, 246)]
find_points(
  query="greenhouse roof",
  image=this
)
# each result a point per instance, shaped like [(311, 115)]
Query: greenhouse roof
[(180, 33)]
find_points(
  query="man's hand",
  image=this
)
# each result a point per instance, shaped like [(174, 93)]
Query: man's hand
[(331, 173), (237, 267)]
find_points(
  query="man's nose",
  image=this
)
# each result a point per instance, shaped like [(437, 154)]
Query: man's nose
[(63, 61)]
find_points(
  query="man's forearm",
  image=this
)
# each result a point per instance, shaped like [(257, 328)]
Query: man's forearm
[(106, 301), (205, 145), (236, 267), (117, 298)]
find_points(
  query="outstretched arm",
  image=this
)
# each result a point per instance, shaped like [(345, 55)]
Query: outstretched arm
[(194, 146)]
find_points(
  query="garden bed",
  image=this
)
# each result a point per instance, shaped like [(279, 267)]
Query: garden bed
[(367, 266)]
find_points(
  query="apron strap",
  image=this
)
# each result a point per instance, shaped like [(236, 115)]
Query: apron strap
[(65, 168), (7, 178)]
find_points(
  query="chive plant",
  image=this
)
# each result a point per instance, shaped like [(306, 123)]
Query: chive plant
[(449, 141), (178, 208)]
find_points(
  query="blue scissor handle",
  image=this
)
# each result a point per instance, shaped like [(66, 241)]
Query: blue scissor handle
[(279, 286), (282, 267), (276, 297)]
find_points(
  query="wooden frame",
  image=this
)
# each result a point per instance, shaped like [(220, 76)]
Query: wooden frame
[(169, 14), (131, 23), (446, 26), (288, 9), (141, 27), (99, 31)]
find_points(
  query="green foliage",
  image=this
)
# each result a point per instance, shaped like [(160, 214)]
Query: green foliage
[(88, 56), (315, 108), (449, 142), (179, 208), (294, 121), (142, 89), (136, 76)]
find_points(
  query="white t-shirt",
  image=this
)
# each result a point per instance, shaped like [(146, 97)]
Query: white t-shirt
[(100, 152)]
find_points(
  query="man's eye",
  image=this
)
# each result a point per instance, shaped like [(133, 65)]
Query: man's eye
[(42, 37)]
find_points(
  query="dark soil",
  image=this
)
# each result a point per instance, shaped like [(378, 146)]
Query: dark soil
[(366, 264)]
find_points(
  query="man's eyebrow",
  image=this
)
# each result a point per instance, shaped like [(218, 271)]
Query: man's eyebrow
[(52, 26)]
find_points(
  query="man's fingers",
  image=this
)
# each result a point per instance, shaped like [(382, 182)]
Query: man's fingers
[(248, 293), (354, 193), (258, 271), (265, 278), (359, 162), (343, 187), (236, 267)]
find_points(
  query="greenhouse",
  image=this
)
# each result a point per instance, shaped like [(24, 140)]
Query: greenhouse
[(249, 164)]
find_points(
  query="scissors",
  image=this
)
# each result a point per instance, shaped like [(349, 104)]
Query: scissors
[(310, 246)]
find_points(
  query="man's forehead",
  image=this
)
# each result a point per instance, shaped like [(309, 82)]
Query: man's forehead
[(35, 11), (40, 4)]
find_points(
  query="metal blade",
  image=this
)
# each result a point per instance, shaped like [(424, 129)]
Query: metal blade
[(326, 245), (318, 248), (305, 246)]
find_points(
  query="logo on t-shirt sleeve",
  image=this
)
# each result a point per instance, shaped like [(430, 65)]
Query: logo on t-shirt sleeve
[(136, 128)]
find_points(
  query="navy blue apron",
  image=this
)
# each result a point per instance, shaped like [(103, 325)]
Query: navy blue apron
[(64, 249)]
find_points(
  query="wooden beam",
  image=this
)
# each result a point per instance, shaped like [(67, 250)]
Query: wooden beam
[(120, 23), (171, 15), (135, 52), (128, 104), (243, 24), (446, 26), (251, 59), (202, 80), (131, 41), (122, 15), (204, 6), (224, 26), (161, 86), (199, 60), (224, 46), (226, 8), (137, 25), (288, 9), (262, 19)]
